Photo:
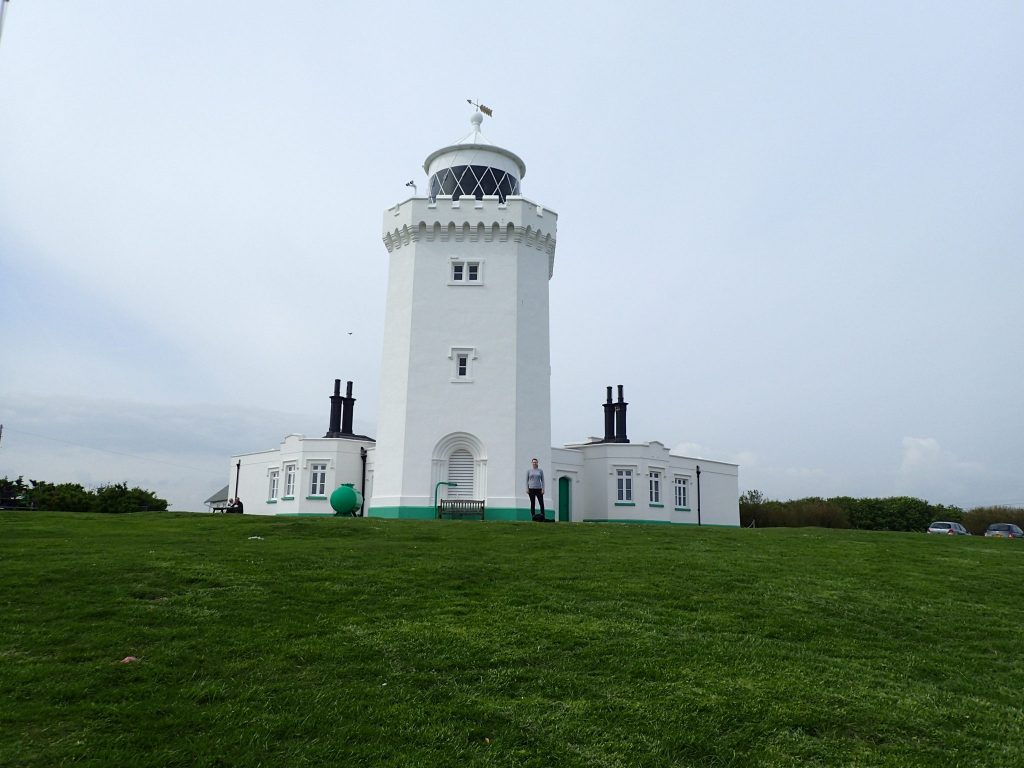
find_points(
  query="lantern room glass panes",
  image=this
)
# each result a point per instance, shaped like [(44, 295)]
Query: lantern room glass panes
[(473, 181)]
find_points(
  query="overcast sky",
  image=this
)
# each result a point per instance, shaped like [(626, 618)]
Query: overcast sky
[(793, 230)]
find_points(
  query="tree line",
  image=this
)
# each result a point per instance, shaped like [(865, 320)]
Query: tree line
[(896, 513), (72, 497)]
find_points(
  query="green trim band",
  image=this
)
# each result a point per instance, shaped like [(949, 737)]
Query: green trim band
[(429, 513), (405, 513), (507, 513), (637, 522)]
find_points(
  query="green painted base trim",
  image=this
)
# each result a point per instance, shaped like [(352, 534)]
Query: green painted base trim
[(429, 513), (405, 513), (510, 513), (316, 498), (625, 503), (638, 522), (656, 506), (306, 514)]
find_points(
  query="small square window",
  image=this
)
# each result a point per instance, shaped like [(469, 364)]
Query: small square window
[(466, 272), (462, 363)]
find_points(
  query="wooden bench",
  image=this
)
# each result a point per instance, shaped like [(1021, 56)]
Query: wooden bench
[(460, 509)]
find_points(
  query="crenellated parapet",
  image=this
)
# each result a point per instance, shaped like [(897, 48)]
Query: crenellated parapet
[(470, 220)]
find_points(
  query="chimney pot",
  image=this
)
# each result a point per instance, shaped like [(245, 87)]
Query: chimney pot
[(620, 419), (334, 427), (348, 407), (609, 419)]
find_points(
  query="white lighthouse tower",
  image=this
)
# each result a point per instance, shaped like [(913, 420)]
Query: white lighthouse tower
[(465, 399)]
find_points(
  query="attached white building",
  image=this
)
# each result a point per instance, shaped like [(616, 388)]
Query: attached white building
[(298, 477)]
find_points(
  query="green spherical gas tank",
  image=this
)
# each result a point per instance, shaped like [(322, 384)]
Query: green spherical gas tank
[(346, 500)]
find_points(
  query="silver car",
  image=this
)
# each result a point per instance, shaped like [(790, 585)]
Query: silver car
[(1005, 530), (950, 529)]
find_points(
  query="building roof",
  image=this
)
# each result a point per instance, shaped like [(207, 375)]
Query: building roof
[(474, 140), (221, 495)]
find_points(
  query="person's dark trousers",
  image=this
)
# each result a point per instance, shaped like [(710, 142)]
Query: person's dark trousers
[(536, 494)]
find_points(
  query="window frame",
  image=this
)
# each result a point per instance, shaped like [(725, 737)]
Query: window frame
[(318, 469), (681, 492), (654, 476), (457, 355), (290, 472), (273, 484), (624, 486), (460, 269)]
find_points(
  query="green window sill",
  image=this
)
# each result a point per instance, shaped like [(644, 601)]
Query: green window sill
[(682, 509), (287, 498), (316, 498), (271, 501), (656, 505), (625, 503)]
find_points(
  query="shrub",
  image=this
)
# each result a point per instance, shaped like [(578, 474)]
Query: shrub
[(118, 498), (72, 497), (898, 513), (979, 518)]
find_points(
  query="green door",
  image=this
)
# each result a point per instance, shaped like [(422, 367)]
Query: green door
[(564, 499)]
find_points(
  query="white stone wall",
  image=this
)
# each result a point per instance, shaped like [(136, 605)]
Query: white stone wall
[(503, 410), (596, 493)]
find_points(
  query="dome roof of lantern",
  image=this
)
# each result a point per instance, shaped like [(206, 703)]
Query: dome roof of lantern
[(475, 149)]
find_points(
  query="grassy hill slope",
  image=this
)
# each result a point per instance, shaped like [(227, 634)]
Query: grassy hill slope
[(290, 642)]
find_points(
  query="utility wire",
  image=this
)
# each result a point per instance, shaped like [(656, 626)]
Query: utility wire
[(3, 10), (107, 450)]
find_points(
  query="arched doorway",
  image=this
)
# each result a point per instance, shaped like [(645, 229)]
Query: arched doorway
[(459, 458)]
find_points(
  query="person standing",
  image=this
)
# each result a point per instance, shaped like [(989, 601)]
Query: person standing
[(535, 489)]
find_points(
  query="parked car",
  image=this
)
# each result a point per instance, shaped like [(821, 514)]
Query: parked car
[(1005, 530), (950, 529)]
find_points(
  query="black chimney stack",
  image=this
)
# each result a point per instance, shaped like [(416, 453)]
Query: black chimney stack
[(620, 419), (349, 405), (609, 419), (334, 428)]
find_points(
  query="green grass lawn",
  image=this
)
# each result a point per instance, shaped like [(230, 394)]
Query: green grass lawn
[(292, 642)]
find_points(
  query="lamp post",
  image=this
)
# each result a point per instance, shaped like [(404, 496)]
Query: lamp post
[(698, 494), (436, 487)]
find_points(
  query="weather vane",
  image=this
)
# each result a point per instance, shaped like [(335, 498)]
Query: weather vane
[(486, 110)]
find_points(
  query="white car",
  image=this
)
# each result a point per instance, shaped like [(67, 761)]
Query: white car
[(950, 529)]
